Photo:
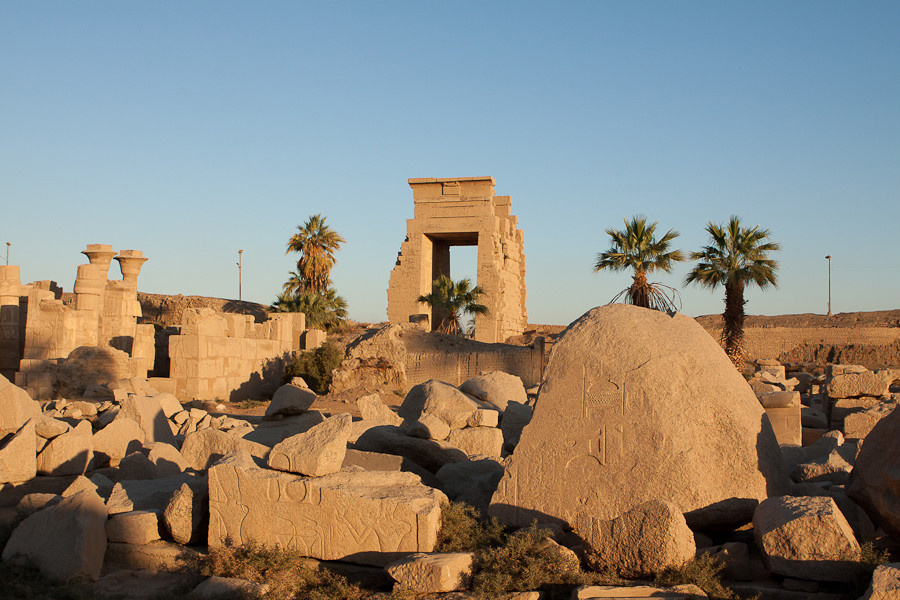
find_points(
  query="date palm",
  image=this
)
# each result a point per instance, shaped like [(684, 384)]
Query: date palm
[(316, 242), (636, 248), (736, 256), (450, 299), (323, 311)]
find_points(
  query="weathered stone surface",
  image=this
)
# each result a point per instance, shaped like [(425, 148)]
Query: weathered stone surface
[(31, 503), (432, 455), (484, 417), (48, 427), (646, 539), (169, 404), (372, 409), (636, 405), (16, 406), (429, 427), (432, 573), (226, 588), (137, 466), (835, 467), (806, 538), (155, 556), (472, 482), (18, 461), (478, 441), (166, 458), (885, 583), (377, 461), (611, 592), (852, 385), (150, 494), (185, 513), (270, 432), (80, 484), (136, 527), (67, 454), (64, 541), (875, 480), (319, 451), (514, 419), (497, 388), (844, 407), (858, 425), (362, 516), (441, 400), (202, 449), (290, 400), (147, 412)]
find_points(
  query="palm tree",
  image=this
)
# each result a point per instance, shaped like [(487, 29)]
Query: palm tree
[(323, 311), (735, 256), (316, 242), (637, 248), (449, 299)]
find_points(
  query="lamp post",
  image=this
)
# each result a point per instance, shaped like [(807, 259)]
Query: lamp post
[(829, 284), (240, 252), (7, 253)]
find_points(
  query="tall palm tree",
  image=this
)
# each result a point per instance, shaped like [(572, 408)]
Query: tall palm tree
[(450, 299), (323, 311), (736, 255), (637, 248), (316, 242)]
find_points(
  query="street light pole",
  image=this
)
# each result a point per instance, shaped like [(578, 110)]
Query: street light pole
[(829, 284), (240, 252), (7, 253)]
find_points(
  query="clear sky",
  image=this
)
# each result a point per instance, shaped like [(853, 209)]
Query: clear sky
[(190, 130)]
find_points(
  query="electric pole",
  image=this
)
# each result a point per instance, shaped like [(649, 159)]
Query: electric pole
[(829, 284)]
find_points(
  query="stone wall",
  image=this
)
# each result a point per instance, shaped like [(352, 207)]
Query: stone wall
[(457, 367), (230, 357), (168, 310)]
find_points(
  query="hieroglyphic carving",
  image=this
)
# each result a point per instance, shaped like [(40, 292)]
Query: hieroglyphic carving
[(371, 517)]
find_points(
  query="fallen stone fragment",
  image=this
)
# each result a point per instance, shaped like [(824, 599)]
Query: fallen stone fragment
[(16, 406), (185, 513), (611, 592), (484, 417), (48, 427), (67, 454), (290, 400), (31, 503), (441, 400), (166, 458), (472, 482), (226, 588), (169, 404), (647, 539), (806, 538), (150, 494), (429, 427), (363, 516), (875, 480), (64, 541), (858, 425), (852, 385), (80, 484), (372, 409), (477, 441), (885, 583), (155, 556), (204, 448), (147, 412), (377, 461), (18, 461), (117, 440), (497, 388), (431, 454), (136, 527), (436, 573), (319, 451)]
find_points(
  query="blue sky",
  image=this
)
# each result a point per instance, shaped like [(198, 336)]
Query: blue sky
[(189, 130)]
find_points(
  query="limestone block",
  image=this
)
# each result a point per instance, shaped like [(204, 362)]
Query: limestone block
[(375, 461), (166, 458), (875, 480), (858, 425), (18, 461), (441, 400), (786, 422), (319, 451), (430, 454), (77, 528), (647, 539), (147, 412), (853, 385), (150, 494), (472, 482), (290, 400), (67, 454), (475, 441), (611, 592), (496, 388), (432, 573), (372, 409), (630, 396), (885, 583), (363, 516), (313, 338), (806, 538), (117, 440), (16, 406), (136, 466), (844, 407), (169, 404), (136, 527), (835, 467), (82, 483), (429, 427), (185, 513), (270, 433), (153, 557), (484, 417), (204, 448)]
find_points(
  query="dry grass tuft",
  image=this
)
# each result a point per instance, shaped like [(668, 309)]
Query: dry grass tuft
[(704, 572)]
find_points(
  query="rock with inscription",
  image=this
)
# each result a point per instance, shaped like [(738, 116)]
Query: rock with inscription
[(368, 517), (636, 405), (853, 385), (18, 461), (319, 451), (647, 539), (806, 538), (202, 449), (67, 454), (875, 480), (16, 406), (475, 441), (432, 573), (373, 410), (496, 388), (64, 541), (430, 454), (290, 400), (441, 400)]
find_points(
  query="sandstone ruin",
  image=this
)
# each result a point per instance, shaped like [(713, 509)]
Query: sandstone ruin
[(462, 212)]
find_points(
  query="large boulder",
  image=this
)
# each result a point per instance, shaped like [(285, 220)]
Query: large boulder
[(875, 480), (496, 388), (290, 400), (147, 412), (368, 517), (319, 451), (885, 583), (64, 541), (372, 409), (636, 405), (18, 461), (436, 573), (430, 454), (806, 538), (67, 454), (204, 448), (16, 406), (647, 539), (852, 385), (441, 400)]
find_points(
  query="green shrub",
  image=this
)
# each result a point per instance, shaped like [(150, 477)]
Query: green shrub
[(316, 366), (463, 530)]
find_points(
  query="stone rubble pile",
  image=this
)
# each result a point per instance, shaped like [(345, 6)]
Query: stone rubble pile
[(643, 449)]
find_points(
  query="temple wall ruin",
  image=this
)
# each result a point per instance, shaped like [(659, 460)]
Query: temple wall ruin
[(462, 212), (456, 368)]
